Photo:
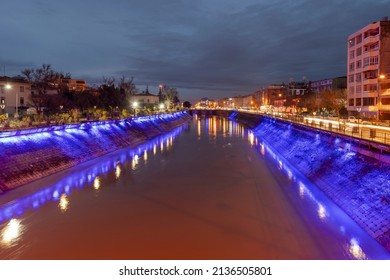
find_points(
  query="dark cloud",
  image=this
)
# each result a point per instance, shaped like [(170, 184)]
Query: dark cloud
[(204, 48)]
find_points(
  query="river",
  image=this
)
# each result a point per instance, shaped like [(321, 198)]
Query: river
[(210, 189)]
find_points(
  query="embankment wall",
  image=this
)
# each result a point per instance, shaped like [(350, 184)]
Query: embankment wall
[(355, 178), (27, 155)]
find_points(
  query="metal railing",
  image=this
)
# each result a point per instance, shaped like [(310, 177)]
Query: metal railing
[(359, 131)]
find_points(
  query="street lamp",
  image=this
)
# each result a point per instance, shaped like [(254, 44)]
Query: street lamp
[(358, 109), (135, 105), (8, 87), (379, 104)]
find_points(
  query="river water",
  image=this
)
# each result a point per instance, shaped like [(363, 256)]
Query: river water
[(207, 190)]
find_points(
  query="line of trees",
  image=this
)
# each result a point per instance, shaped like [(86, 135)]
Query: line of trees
[(332, 101), (111, 96)]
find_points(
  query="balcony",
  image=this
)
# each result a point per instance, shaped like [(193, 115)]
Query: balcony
[(371, 39), (370, 67), (370, 81), (383, 107)]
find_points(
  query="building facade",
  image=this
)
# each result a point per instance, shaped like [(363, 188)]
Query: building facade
[(368, 71), (329, 84), (74, 84), (15, 96), (144, 100)]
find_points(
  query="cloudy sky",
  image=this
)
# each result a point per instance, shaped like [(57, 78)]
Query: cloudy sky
[(213, 48)]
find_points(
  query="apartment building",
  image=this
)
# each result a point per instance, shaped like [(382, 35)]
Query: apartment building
[(329, 84), (368, 71), (74, 84)]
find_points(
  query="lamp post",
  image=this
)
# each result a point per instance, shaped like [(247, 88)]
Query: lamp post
[(358, 109), (135, 105), (379, 104)]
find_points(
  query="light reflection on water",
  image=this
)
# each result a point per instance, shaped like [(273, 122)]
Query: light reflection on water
[(11, 233)]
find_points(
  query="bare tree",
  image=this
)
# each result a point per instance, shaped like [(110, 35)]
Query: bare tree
[(127, 86), (41, 80), (335, 100), (108, 81), (169, 95)]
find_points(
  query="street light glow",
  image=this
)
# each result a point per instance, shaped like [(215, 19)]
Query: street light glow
[(135, 104), (8, 86), (161, 106)]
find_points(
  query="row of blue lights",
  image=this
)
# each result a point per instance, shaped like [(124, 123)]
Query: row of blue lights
[(45, 131)]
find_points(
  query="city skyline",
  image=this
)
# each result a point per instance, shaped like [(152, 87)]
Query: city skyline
[(214, 49)]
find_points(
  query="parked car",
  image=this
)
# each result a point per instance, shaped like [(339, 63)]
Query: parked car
[(353, 119)]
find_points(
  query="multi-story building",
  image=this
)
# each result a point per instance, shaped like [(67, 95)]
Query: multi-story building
[(74, 84), (369, 71), (329, 84), (276, 95), (15, 95)]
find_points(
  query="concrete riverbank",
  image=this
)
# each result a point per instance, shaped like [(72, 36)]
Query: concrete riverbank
[(355, 178), (27, 155)]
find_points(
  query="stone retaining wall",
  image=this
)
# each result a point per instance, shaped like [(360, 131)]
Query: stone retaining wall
[(354, 178), (27, 155)]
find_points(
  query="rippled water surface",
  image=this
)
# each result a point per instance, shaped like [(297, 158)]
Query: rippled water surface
[(208, 190)]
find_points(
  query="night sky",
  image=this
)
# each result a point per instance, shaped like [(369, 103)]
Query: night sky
[(213, 48)]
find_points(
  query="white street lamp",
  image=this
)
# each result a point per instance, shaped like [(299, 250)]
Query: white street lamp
[(359, 109), (135, 105)]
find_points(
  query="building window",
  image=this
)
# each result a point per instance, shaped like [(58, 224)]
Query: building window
[(370, 87), (358, 102), (371, 33), (351, 80), (351, 102), (21, 88), (359, 51), (352, 54), (371, 47), (371, 74), (368, 101), (358, 89), (359, 39), (21, 100), (372, 60), (2, 100), (352, 66), (358, 64), (358, 77), (385, 101)]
